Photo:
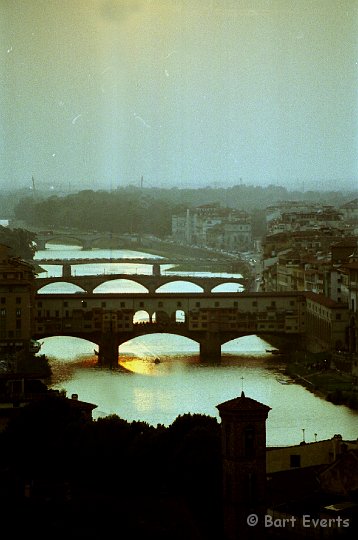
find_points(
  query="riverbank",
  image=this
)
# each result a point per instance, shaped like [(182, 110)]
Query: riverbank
[(315, 372)]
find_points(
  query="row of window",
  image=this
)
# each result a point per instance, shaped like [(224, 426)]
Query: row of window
[(254, 303), (3, 300), (3, 312), (11, 275)]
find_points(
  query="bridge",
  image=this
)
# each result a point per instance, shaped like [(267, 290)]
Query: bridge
[(151, 282), (210, 319), (132, 260), (118, 260), (87, 240)]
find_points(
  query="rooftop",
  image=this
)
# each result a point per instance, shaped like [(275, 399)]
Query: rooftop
[(242, 403)]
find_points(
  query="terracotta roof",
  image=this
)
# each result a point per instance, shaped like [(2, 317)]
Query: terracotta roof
[(242, 403)]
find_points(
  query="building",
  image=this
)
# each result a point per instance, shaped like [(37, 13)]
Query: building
[(326, 323), (16, 302), (244, 464), (210, 225), (349, 211), (306, 454), (302, 491)]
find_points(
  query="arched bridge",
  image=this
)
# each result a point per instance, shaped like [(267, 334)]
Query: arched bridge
[(210, 319), (85, 240), (150, 282)]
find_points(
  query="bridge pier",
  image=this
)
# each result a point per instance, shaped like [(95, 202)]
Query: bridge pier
[(210, 347), (66, 270), (108, 351)]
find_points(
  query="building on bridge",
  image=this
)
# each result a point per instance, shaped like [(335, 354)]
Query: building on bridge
[(210, 319)]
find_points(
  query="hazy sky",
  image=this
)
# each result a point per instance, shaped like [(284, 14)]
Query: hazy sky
[(97, 93)]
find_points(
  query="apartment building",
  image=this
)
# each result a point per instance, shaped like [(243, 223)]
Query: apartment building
[(291, 216), (16, 301), (211, 225)]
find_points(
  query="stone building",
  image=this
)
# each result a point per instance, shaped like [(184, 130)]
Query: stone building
[(244, 465), (16, 302)]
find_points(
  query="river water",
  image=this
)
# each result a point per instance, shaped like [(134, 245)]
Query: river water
[(157, 393)]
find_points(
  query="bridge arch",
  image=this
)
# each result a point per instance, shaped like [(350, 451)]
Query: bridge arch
[(230, 286), (187, 285), (67, 347), (141, 316), (65, 238), (157, 347), (127, 285), (61, 287)]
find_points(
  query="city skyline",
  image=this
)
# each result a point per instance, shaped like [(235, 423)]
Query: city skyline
[(184, 94)]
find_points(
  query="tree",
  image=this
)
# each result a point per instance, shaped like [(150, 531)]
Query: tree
[(20, 240)]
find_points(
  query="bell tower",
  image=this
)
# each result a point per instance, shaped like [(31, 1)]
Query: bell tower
[(243, 422)]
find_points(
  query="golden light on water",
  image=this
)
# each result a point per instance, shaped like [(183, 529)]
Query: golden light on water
[(142, 366)]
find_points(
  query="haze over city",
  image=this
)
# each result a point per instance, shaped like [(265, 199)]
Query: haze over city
[(187, 93)]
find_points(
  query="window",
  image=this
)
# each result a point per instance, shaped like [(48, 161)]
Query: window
[(18, 299), (178, 304), (3, 300), (103, 304), (295, 460), (197, 304), (18, 312), (254, 304), (2, 312), (249, 441)]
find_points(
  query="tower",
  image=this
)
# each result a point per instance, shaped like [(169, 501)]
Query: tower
[(244, 465)]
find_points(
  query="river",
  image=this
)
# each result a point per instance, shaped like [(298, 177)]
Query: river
[(157, 393)]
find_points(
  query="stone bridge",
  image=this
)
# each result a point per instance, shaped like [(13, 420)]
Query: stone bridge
[(150, 282), (85, 240), (210, 319)]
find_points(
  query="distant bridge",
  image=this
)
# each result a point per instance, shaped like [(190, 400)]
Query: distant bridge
[(86, 240), (150, 282), (118, 260)]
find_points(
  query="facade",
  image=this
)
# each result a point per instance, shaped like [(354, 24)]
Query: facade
[(307, 454), (213, 226), (292, 216), (244, 464), (16, 302), (350, 211), (327, 323), (349, 278)]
